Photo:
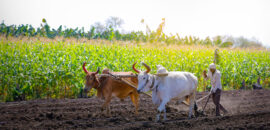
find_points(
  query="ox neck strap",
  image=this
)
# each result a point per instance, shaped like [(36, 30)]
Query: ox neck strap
[(102, 81), (153, 82), (146, 81)]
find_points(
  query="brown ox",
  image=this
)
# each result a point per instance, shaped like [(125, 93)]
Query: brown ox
[(107, 87)]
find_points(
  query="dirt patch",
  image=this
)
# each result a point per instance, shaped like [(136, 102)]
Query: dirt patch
[(247, 110)]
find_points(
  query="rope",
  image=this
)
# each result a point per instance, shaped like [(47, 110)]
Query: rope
[(119, 77), (116, 75)]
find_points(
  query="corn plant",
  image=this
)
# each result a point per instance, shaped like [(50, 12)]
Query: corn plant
[(31, 70)]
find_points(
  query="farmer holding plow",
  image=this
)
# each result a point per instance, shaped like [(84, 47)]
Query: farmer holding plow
[(215, 77)]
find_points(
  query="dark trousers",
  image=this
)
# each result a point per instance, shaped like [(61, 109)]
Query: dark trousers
[(216, 100)]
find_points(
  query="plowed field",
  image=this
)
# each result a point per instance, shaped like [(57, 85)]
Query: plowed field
[(248, 109)]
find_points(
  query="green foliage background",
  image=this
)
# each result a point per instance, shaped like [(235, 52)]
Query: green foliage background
[(32, 70), (111, 32)]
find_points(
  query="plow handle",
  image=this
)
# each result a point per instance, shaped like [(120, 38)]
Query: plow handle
[(207, 101)]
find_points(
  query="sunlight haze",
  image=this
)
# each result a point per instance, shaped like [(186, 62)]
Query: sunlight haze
[(202, 18)]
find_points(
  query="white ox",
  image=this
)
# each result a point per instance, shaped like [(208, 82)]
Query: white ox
[(165, 88)]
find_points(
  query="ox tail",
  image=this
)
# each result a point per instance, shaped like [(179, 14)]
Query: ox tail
[(194, 82)]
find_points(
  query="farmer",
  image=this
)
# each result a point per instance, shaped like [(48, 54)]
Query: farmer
[(215, 77)]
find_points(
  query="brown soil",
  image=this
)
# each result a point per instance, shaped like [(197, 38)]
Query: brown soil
[(247, 110)]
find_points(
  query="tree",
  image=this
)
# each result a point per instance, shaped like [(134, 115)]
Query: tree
[(99, 27), (217, 40), (114, 22)]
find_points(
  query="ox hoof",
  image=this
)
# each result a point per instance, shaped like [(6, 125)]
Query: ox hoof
[(190, 117), (157, 120)]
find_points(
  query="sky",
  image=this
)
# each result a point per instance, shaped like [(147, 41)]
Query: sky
[(201, 18)]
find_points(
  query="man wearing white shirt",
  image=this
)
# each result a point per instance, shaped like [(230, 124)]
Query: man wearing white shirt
[(215, 77)]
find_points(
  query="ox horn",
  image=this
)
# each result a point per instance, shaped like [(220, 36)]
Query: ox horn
[(97, 70), (133, 67), (147, 67), (84, 68)]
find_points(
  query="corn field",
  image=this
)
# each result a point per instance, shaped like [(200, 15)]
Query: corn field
[(37, 69)]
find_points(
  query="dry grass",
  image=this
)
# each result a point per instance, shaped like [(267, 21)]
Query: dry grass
[(24, 39)]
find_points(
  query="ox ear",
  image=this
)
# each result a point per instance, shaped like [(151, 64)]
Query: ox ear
[(133, 67), (148, 69)]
